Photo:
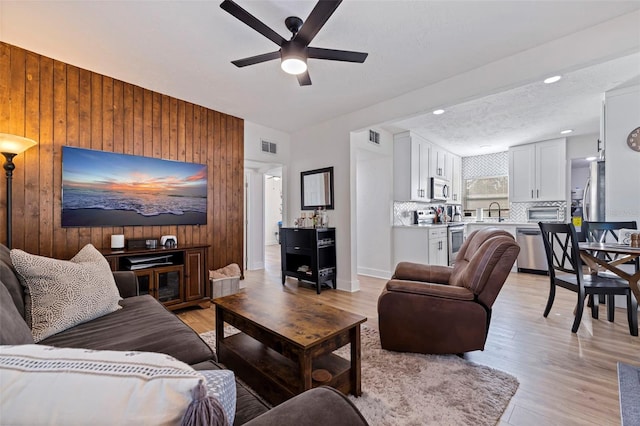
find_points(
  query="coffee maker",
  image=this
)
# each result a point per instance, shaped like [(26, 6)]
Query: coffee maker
[(454, 211)]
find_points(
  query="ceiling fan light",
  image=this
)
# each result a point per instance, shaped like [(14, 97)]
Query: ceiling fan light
[(293, 65)]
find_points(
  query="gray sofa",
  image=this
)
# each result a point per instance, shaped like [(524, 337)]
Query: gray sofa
[(143, 324)]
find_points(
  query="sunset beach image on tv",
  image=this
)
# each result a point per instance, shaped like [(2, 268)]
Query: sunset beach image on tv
[(109, 189)]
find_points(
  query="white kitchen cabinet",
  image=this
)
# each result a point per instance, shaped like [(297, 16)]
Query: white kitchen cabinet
[(439, 159), (426, 245), (410, 167), (456, 179), (537, 171), (438, 249)]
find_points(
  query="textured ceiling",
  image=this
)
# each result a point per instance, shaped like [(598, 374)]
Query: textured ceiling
[(184, 49), (529, 113)]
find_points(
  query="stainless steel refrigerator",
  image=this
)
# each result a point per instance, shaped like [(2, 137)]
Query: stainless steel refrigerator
[(593, 198)]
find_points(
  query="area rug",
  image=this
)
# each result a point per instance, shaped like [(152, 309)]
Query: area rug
[(415, 389), (629, 391)]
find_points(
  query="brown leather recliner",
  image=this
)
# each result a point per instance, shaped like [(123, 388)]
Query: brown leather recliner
[(441, 309)]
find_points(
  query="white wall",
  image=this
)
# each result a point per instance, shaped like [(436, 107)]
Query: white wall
[(374, 201), (257, 163), (273, 209), (327, 144), (582, 146), (254, 219), (622, 172)]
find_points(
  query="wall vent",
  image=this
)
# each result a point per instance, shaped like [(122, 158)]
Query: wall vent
[(269, 147), (374, 137)]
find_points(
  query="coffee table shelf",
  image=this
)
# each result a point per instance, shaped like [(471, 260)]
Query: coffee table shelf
[(283, 339), (271, 374)]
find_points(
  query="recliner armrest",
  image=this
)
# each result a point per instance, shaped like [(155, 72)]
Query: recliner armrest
[(318, 406), (419, 272), (127, 283), (430, 289)]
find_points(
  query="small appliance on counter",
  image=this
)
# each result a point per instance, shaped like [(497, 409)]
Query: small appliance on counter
[(454, 211), (423, 217)]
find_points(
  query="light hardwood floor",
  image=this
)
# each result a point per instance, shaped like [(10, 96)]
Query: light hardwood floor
[(565, 378)]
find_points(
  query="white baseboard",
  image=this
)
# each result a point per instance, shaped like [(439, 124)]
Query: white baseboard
[(255, 266), (376, 273)]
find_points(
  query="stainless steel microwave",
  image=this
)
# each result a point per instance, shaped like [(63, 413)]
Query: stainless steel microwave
[(439, 189)]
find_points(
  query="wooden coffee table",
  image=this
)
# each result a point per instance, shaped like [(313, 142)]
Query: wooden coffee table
[(284, 338)]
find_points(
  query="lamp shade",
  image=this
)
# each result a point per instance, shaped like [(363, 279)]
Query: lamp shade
[(13, 144)]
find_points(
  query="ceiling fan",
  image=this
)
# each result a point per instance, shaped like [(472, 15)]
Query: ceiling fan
[(294, 52)]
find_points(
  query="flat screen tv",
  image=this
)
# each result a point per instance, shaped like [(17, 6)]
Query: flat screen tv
[(102, 188)]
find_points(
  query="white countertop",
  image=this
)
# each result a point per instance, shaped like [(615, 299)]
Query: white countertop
[(496, 223), (431, 225)]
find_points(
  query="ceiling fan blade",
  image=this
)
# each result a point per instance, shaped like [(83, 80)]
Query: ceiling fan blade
[(252, 21), (336, 55), (256, 59), (316, 20), (304, 79)]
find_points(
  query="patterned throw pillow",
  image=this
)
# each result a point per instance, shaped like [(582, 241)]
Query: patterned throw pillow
[(221, 384), (61, 294), (67, 386)]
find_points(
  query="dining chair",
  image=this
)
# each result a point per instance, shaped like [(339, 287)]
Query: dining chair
[(603, 232), (566, 271)]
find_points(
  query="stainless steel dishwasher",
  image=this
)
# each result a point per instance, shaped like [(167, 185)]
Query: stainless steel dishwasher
[(532, 257)]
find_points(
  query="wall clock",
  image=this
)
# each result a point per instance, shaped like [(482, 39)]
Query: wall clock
[(633, 140)]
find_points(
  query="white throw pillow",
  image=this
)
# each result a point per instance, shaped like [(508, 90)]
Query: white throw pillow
[(47, 385), (61, 293), (221, 384)]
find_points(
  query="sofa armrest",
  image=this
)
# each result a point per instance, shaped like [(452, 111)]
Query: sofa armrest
[(318, 406), (419, 272), (430, 289), (127, 283)]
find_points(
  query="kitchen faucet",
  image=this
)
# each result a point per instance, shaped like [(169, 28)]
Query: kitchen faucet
[(499, 211)]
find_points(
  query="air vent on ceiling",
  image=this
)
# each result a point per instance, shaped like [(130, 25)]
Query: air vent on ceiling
[(374, 137), (269, 147)]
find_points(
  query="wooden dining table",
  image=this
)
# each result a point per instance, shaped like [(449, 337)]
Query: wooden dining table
[(621, 254)]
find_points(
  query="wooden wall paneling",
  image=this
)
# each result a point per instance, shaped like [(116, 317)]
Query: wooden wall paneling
[(194, 136), (72, 235), (59, 104), (60, 122), (43, 193), (84, 141), (28, 237), (181, 128), (129, 231), (16, 126), (96, 137), (188, 156), (156, 137), (166, 142), (118, 132), (138, 147), (238, 196), (107, 140), (215, 158), (5, 115)]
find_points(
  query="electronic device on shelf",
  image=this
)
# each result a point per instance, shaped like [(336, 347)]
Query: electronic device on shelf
[(168, 241)]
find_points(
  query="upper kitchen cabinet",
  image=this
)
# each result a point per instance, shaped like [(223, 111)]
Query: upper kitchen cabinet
[(456, 179), (410, 167), (440, 165), (537, 171)]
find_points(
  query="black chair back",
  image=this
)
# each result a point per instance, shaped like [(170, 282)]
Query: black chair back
[(561, 246), (599, 232)]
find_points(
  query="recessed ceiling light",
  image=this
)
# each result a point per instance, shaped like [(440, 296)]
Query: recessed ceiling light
[(552, 79), (485, 146), (564, 132), (438, 111), (590, 158)]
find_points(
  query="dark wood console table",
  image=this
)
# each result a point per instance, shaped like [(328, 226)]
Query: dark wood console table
[(177, 276), (309, 254)]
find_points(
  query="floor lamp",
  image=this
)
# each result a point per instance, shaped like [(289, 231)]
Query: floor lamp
[(10, 146)]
